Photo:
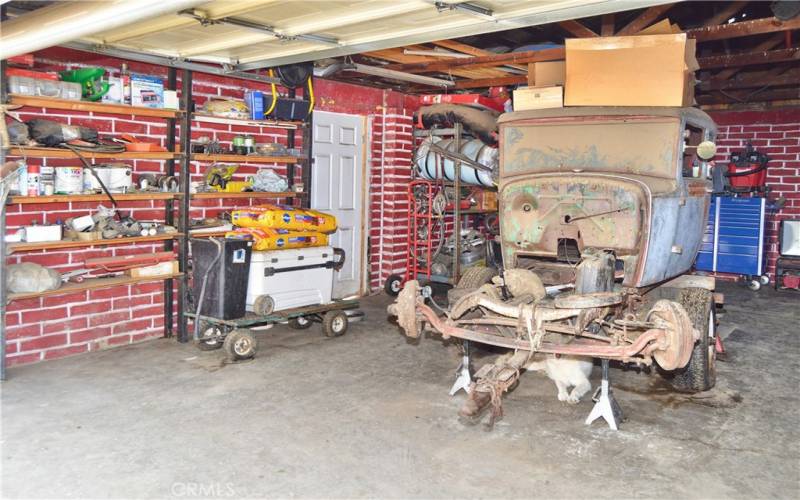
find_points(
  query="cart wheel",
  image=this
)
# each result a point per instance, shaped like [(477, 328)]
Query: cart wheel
[(299, 323), (334, 323), (263, 305), (240, 344), (393, 285), (754, 285), (764, 280), (210, 337)]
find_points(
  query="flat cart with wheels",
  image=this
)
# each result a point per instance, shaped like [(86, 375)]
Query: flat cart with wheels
[(236, 337)]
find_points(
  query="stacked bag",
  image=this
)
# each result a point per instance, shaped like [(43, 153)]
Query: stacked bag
[(277, 227)]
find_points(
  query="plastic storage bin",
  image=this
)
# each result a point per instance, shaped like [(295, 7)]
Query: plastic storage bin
[(226, 282)]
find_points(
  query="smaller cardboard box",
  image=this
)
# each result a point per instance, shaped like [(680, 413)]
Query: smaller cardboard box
[(538, 98), (547, 73)]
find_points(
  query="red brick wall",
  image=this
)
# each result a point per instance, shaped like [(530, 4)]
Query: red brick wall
[(53, 327), (777, 134)]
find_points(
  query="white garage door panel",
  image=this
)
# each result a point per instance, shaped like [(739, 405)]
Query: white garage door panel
[(336, 187)]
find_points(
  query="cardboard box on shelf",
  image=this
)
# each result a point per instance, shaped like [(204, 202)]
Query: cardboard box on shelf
[(147, 91), (644, 70), (538, 98), (546, 73)]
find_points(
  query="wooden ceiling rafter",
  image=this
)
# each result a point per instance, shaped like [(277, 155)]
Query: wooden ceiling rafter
[(767, 44), (645, 19), (749, 58), (743, 28), (730, 10), (577, 29), (607, 25), (483, 61)]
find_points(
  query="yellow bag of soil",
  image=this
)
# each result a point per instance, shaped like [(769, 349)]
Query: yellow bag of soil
[(279, 239), (282, 217)]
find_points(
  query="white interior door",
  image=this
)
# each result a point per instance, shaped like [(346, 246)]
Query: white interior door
[(336, 188)]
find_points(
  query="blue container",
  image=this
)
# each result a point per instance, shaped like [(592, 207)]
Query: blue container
[(255, 101)]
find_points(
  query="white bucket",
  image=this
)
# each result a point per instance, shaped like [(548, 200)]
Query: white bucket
[(69, 180)]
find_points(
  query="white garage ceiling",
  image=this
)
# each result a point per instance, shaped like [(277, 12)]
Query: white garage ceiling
[(252, 34)]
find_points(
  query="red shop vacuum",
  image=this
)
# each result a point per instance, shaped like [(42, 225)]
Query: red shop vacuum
[(747, 171)]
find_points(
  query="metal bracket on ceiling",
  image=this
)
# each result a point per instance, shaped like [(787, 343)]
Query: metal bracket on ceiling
[(205, 20), (468, 8)]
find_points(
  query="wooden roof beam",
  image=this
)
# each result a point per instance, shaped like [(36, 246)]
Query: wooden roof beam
[(577, 29), (755, 80), (749, 58), (767, 44), (743, 28), (749, 96), (482, 61), (467, 49), (644, 19), (730, 10), (491, 82), (608, 25)]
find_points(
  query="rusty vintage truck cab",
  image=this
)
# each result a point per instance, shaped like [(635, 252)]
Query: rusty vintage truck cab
[(602, 212)]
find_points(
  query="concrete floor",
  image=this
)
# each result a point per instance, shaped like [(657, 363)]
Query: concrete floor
[(368, 415)]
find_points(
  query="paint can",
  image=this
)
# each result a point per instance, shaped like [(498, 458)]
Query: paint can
[(69, 180)]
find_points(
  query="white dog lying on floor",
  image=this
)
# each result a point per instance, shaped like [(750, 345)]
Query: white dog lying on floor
[(566, 372)]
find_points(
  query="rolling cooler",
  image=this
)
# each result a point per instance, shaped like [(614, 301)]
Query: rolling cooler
[(283, 279), (734, 239)]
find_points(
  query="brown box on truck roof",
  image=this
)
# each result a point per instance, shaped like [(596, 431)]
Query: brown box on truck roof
[(649, 70)]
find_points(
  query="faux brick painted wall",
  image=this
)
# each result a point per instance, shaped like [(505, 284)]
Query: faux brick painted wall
[(777, 134), (47, 328)]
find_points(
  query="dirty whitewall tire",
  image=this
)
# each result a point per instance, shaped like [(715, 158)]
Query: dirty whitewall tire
[(700, 374), (393, 285), (210, 336)]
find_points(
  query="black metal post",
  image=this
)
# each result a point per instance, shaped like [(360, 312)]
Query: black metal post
[(305, 174), (169, 211), (183, 214), (290, 145)]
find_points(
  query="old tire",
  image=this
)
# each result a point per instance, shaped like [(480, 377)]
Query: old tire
[(334, 323), (475, 277), (299, 323), (240, 344), (263, 305), (393, 285), (700, 374), (210, 337)]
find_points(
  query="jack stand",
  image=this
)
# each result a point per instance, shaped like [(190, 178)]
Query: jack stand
[(463, 378), (606, 405)]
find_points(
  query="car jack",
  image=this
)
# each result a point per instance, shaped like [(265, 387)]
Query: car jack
[(463, 377), (606, 405)]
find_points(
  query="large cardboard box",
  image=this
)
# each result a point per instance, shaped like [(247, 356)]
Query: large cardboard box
[(538, 98), (546, 73), (647, 70)]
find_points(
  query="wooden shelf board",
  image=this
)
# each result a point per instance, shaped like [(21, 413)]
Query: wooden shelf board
[(118, 109), (38, 152), (68, 198), (49, 245), (253, 123), (246, 158), (252, 194), (92, 284), (209, 234)]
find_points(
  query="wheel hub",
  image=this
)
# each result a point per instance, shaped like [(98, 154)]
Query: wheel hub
[(405, 308), (679, 334)]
